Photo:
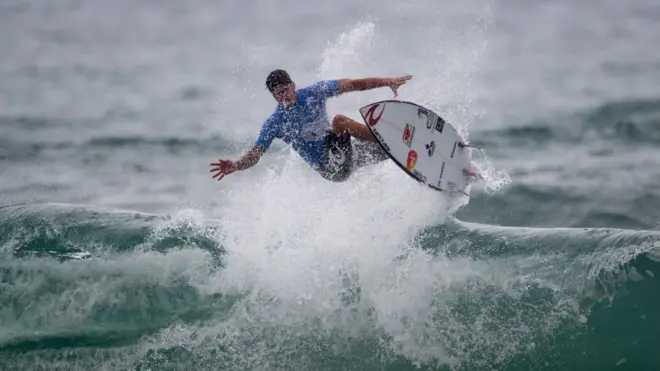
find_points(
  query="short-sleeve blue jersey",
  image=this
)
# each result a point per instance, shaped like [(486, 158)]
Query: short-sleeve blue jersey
[(305, 124)]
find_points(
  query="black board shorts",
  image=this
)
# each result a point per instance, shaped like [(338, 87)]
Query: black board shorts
[(342, 155)]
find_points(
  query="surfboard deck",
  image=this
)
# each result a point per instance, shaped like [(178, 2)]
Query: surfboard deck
[(422, 144)]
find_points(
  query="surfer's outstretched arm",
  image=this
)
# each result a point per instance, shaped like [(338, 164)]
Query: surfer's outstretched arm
[(226, 167), (349, 85)]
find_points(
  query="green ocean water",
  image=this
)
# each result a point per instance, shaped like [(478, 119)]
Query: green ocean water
[(84, 287), (119, 252)]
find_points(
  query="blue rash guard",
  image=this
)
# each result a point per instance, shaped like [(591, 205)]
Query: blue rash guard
[(304, 125)]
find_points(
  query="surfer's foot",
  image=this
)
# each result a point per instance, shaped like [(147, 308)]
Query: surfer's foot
[(342, 124)]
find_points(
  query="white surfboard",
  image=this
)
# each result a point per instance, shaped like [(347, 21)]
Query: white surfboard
[(425, 146)]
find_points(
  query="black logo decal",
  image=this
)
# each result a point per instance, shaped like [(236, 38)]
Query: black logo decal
[(430, 148), (439, 124)]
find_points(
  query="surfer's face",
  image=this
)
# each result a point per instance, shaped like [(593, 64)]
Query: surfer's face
[(285, 94)]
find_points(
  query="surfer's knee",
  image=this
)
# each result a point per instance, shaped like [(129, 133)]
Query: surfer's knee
[(340, 119), (339, 123)]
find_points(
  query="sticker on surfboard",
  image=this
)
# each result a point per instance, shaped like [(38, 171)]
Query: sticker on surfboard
[(422, 144)]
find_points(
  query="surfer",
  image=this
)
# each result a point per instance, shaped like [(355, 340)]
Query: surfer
[(300, 119)]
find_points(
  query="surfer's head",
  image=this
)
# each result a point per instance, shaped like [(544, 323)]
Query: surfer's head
[(279, 84)]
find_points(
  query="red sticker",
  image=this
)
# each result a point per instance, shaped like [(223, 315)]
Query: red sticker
[(408, 134), (371, 120), (412, 160)]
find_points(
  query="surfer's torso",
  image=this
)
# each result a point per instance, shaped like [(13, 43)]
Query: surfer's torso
[(305, 124)]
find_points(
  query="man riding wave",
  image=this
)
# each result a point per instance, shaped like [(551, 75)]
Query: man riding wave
[(300, 119)]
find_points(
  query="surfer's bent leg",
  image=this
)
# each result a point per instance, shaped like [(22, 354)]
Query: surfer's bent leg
[(343, 124)]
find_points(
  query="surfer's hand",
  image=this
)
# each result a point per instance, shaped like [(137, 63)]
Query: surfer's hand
[(395, 82), (222, 168)]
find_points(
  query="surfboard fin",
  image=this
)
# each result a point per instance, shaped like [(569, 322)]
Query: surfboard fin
[(472, 174), (464, 145)]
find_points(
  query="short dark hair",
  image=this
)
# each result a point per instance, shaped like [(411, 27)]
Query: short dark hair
[(276, 78)]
